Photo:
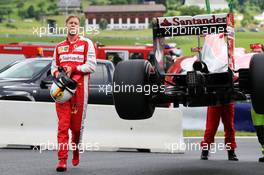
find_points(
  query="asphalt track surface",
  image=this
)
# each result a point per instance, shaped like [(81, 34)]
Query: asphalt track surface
[(29, 162)]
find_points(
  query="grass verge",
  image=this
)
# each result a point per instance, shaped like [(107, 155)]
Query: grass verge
[(130, 37), (200, 133)]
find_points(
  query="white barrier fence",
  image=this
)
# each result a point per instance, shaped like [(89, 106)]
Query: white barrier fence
[(35, 123), (194, 118)]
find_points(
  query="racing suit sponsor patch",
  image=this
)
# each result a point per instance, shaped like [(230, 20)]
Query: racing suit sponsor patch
[(79, 48), (71, 57), (63, 49)]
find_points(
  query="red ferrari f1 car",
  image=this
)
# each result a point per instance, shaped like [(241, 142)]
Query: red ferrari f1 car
[(211, 78)]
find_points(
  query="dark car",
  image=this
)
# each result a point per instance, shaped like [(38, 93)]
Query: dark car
[(254, 30), (30, 80), (241, 30)]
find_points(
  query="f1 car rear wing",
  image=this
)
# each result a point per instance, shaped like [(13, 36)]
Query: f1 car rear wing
[(199, 25), (190, 25)]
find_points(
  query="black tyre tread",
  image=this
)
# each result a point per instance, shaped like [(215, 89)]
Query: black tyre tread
[(132, 105), (257, 82)]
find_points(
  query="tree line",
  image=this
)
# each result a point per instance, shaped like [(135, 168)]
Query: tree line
[(23, 10)]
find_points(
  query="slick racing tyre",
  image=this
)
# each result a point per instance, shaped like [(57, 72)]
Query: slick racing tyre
[(256, 70), (132, 103)]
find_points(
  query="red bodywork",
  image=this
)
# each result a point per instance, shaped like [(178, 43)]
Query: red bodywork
[(241, 60), (28, 50), (31, 50)]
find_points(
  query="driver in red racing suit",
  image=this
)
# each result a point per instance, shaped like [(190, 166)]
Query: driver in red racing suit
[(77, 56), (214, 114)]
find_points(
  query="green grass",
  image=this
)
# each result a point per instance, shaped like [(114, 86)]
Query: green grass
[(15, 39), (128, 37), (244, 39), (200, 133), (127, 33), (114, 37)]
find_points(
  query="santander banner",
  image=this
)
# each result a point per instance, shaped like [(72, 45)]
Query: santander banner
[(192, 25)]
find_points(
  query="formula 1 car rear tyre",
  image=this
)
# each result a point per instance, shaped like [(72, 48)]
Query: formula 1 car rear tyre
[(257, 82), (131, 101)]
